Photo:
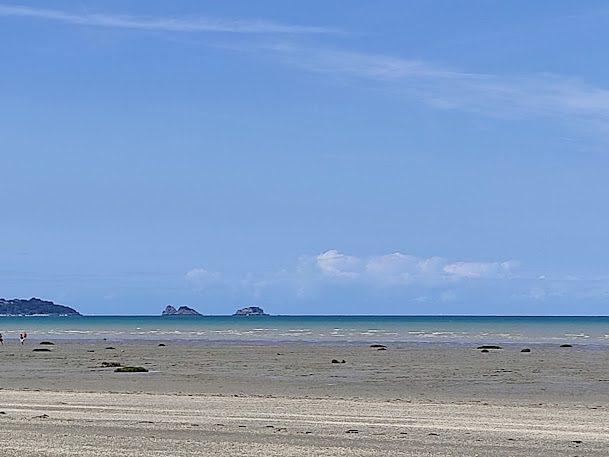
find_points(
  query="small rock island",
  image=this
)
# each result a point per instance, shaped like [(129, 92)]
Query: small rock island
[(34, 307), (250, 311), (181, 311)]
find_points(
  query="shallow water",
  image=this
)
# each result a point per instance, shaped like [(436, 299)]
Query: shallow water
[(345, 329)]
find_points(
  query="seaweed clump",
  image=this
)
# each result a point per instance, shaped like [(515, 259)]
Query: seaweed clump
[(131, 370)]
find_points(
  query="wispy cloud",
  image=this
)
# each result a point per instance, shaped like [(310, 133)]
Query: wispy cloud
[(538, 95), (168, 24), (499, 95)]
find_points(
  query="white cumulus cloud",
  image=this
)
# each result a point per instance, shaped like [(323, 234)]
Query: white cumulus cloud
[(399, 268), (200, 277), (478, 269), (334, 264), (393, 268)]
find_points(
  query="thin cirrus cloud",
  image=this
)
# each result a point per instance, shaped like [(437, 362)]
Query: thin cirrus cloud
[(404, 269), (536, 95), (167, 24), (508, 96)]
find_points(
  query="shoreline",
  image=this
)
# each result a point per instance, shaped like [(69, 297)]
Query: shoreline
[(350, 330), (35, 340), (13, 339)]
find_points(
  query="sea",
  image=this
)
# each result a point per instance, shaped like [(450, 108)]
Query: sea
[(315, 329)]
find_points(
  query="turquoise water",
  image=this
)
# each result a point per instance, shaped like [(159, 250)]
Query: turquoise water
[(338, 329)]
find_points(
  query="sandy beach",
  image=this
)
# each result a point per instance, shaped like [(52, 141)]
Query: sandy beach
[(290, 400)]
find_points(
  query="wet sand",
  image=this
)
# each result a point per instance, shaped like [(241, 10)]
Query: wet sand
[(290, 400)]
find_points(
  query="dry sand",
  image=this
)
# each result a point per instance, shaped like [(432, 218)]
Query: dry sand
[(289, 400)]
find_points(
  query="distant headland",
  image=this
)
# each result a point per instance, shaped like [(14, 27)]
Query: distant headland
[(34, 307), (181, 311), (250, 311)]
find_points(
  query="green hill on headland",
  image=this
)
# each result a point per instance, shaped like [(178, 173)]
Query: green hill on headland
[(34, 307)]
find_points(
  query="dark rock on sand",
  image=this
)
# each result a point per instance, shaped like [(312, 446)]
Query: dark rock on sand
[(484, 350), (161, 345), (378, 346), (131, 370), (47, 343), (381, 349), (41, 350), (525, 350), (338, 361), (489, 346), (566, 346), (110, 364)]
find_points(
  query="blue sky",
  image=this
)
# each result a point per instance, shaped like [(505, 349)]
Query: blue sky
[(308, 157)]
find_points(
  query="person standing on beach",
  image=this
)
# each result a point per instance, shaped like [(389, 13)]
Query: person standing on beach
[(22, 337), (1, 339)]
